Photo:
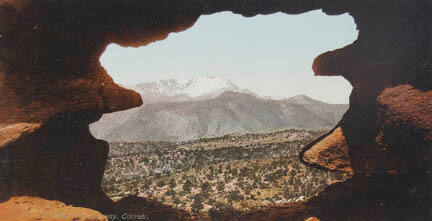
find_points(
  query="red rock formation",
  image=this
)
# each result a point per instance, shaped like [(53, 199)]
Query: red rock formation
[(391, 86), (52, 86), (330, 152), (33, 208)]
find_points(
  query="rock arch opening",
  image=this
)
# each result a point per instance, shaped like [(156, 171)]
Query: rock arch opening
[(249, 97), (259, 56)]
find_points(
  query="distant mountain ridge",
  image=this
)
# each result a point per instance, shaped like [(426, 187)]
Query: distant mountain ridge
[(230, 112), (173, 90)]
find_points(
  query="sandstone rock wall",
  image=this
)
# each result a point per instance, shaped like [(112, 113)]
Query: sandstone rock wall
[(52, 86)]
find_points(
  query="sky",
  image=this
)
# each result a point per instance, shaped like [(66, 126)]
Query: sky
[(271, 55)]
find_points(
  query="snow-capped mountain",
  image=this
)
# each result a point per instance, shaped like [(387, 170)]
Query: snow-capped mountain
[(197, 88), (168, 91), (177, 110), (230, 112)]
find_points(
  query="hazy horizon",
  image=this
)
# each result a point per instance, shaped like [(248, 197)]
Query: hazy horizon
[(260, 54)]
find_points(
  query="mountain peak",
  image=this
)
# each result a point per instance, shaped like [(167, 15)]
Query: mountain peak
[(302, 99), (202, 87), (233, 94)]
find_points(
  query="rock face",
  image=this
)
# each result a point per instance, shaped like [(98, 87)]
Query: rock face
[(330, 152), (33, 208), (52, 86)]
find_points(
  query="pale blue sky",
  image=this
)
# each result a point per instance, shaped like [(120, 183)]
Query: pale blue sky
[(270, 55)]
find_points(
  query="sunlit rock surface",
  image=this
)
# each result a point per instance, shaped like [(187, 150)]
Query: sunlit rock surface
[(33, 208)]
